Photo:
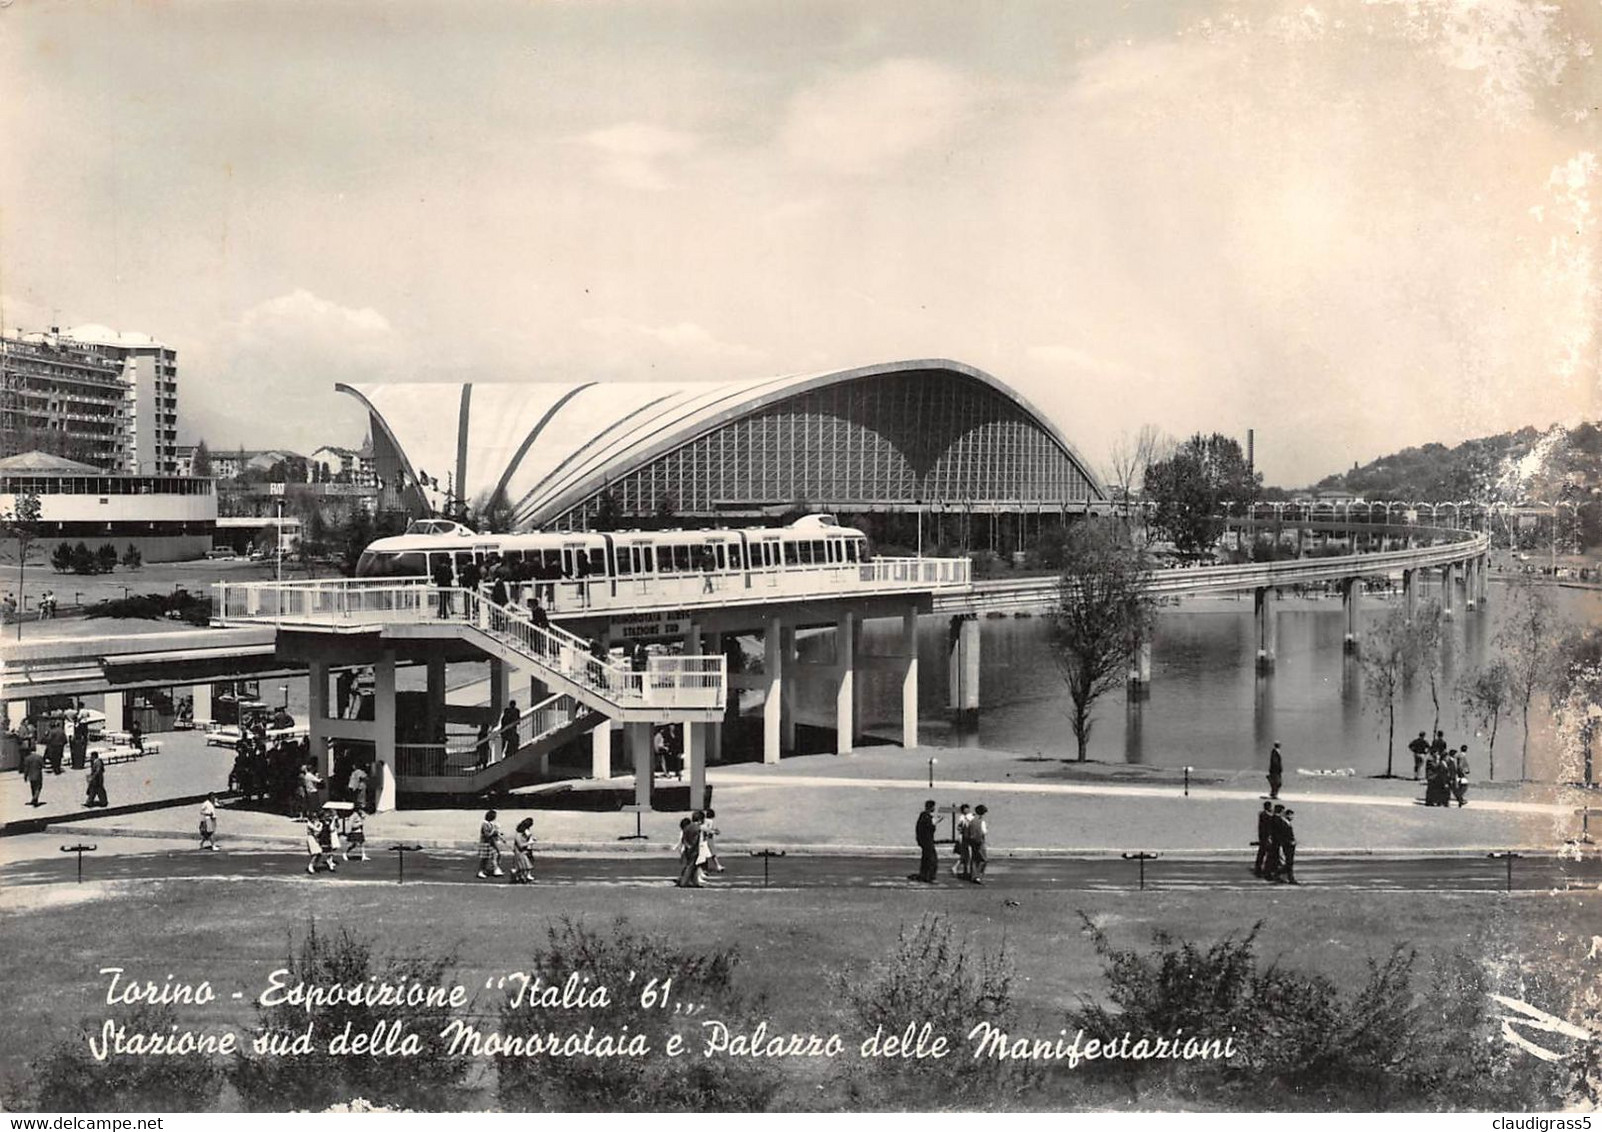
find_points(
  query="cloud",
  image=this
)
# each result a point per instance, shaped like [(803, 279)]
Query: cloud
[(872, 120), (267, 377), (634, 154)]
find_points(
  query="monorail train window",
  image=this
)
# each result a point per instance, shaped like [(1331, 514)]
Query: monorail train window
[(597, 557), (734, 556), (625, 565), (642, 559), (722, 562), (792, 556), (851, 550)]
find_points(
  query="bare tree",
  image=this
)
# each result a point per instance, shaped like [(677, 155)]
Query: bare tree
[(1486, 695), (1104, 612), (1391, 657), (1526, 640), (1131, 455)]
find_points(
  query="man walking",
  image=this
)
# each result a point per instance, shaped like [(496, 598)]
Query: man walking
[(1265, 838), (1287, 846), (33, 771), (1459, 777), (1276, 771), (55, 743), (929, 863), (97, 782), (1420, 747), (508, 724)]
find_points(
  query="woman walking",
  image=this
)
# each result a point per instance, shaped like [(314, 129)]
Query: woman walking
[(489, 847), (978, 835), (523, 853), (208, 823)]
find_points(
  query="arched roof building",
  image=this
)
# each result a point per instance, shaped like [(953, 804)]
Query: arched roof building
[(900, 436)]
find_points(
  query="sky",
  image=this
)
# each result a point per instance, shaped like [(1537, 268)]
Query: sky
[(1352, 227)]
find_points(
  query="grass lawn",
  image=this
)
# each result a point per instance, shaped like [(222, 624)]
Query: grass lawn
[(794, 944)]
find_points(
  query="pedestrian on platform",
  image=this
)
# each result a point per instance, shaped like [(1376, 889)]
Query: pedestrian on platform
[(1265, 839), (978, 845), (489, 847), (442, 582), (309, 791), (95, 794), (136, 737), (1276, 858), (208, 823), (33, 771), (1276, 771), (924, 834)]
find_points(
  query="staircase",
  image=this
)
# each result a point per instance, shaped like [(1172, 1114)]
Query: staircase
[(463, 767), (668, 689)]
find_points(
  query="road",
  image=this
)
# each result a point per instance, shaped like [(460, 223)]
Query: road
[(1033, 874)]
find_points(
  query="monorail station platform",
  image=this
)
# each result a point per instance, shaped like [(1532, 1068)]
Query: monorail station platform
[(627, 655)]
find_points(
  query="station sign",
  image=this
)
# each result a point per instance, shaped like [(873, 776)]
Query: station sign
[(649, 626)]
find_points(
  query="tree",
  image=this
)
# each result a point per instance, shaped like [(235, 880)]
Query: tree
[(61, 558), (1431, 644), (1104, 612), (1132, 456), (131, 558), (1189, 490), (1390, 657), (665, 509), (21, 523), (200, 462), (1486, 695), (83, 559), (1576, 690), (1525, 641), (105, 558)]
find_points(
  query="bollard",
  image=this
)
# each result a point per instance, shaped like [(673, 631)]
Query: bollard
[(766, 855), (1585, 826), (1142, 857), (401, 851), (1509, 856), (931, 772), (79, 849), (1187, 782)]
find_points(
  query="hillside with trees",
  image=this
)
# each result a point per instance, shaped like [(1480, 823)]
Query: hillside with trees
[(1511, 467)]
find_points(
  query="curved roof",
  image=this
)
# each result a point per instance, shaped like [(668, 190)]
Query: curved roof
[(549, 446)]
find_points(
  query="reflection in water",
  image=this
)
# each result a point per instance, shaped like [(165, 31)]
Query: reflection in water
[(1208, 706)]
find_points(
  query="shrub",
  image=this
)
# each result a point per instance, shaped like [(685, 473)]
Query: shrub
[(429, 1081), (67, 1078), (622, 960), (930, 976), (131, 558), (1299, 1041), (61, 558), (105, 559), (180, 605), (83, 560)]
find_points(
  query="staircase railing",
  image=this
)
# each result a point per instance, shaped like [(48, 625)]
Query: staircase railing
[(468, 756)]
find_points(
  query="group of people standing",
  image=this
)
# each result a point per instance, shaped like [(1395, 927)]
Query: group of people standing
[(1445, 771), (35, 761), (971, 835)]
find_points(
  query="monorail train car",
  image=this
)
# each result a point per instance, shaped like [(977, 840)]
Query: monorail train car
[(429, 544)]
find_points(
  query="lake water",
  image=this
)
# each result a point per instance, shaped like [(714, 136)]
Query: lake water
[(1207, 707)]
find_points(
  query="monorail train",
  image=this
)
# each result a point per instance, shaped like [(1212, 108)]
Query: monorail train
[(430, 544)]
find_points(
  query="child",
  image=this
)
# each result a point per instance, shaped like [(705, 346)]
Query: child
[(489, 847), (208, 823), (356, 834), (327, 840), (523, 853)]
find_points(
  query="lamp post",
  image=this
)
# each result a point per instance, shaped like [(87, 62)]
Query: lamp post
[(278, 532), (931, 772)]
